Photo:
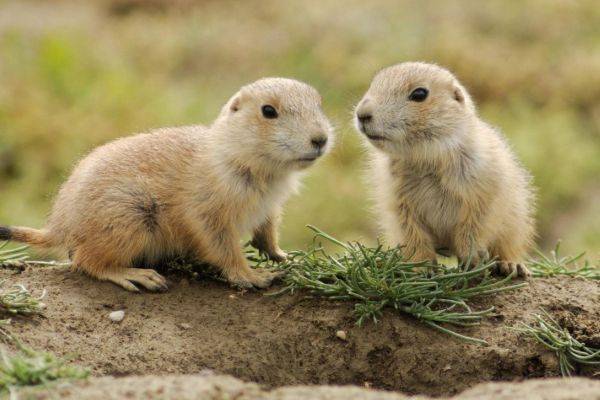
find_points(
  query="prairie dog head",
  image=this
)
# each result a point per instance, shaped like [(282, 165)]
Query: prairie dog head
[(276, 122), (413, 104)]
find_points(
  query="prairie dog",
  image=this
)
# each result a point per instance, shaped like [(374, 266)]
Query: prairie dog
[(444, 178), (191, 190)]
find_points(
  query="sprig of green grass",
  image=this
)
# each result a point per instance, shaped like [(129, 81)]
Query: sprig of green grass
[(18, 300), (568, 349), (377, 278), (566, 265), (28, 367)]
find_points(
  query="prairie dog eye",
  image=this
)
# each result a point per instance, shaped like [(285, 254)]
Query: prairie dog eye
[(269, 112), (418, 95)]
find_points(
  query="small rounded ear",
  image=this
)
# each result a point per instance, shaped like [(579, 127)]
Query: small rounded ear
[(458, 95), (235, 104)]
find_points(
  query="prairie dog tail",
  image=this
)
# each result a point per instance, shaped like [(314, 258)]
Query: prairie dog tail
[(34, 237)]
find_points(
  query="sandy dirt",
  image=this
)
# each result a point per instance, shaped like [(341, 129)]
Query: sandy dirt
[(289, 340), (203, 387)]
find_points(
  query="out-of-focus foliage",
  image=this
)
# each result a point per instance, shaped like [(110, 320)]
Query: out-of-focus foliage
[(74, 75)]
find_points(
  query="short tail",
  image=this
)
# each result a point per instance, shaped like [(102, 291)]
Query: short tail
[(34, 237)]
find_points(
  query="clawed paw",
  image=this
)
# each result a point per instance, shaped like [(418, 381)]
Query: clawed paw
[(507, 268), (148, 278), (258, 278), (278, 256)]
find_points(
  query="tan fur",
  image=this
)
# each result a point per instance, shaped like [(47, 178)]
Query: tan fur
[(190, 190), (443, 178)]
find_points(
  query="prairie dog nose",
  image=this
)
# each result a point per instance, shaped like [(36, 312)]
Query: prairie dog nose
[(319, 141), (364, 111), (363, 118)]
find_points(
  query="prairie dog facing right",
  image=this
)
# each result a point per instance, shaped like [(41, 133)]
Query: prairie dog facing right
[(191, 191), (444, 178)]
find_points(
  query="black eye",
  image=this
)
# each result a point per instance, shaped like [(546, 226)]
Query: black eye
[(419, 94), (269, 111)]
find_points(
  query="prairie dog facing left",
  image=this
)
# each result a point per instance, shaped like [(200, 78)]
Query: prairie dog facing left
[(191, 191), (444, 178)]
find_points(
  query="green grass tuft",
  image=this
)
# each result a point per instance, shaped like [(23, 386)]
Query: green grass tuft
[(30, 367), (557, 265), (568, 349), (18, 300), (377, 278)]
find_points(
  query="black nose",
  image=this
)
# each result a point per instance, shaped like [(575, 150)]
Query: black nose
[(364, 118), (319, 141)]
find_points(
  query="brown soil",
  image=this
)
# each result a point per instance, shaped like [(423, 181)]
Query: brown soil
[(288, 340)]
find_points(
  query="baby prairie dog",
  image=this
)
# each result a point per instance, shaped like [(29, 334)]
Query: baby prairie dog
[(444, 178), (191, 191)]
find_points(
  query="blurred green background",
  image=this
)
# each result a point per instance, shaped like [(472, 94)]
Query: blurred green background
[(74, 75)]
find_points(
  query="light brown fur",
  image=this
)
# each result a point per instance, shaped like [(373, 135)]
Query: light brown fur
[(442, 177), (190, 190)]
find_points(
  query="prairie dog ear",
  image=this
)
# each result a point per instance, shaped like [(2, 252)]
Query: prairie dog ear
[(234, 104), (459, 95)]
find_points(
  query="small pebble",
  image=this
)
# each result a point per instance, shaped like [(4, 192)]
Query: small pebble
[(117, 316), (341, 335), (183, 325)]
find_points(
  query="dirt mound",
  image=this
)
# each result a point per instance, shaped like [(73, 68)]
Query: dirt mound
[(288, 340), (213, 387)]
